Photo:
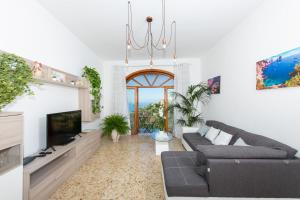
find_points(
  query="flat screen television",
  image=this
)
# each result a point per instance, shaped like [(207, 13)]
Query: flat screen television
[(63, 127)]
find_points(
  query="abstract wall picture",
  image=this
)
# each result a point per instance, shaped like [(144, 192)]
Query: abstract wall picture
[(215, 85), (279, 71)]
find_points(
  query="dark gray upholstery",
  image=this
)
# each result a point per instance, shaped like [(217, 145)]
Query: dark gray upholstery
[(254, 178), (194, 139), (267, 168), (180, 176), (238, 152), (252, 139)]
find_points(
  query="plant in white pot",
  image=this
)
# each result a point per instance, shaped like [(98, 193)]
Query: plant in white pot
[(114, 126), (187, 104)]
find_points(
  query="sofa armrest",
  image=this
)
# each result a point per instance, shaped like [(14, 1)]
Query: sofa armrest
[(253, 178)]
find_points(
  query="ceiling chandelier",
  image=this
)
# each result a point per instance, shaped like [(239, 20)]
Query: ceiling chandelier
[(150, 44)]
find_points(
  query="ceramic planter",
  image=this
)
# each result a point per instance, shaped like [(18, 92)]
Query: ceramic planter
[(115, 136), (187, 129)]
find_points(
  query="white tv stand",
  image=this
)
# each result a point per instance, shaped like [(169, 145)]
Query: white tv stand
[(44, 175)]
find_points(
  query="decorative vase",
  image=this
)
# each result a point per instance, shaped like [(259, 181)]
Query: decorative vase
[(187, 129), (115, 136), (162, 136)]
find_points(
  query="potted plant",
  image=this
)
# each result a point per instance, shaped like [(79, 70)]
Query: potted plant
[(114, 126), (187, 104)]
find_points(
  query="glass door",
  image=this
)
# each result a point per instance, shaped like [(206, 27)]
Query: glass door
[(151, 109), (131, 108)]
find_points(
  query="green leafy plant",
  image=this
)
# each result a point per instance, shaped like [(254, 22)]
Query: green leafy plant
[(15, 77), (95, 81), (152, 117), (187, 104), (115, 122)]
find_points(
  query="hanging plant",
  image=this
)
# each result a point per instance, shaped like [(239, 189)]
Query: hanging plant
[(15, 77), (93, 77)]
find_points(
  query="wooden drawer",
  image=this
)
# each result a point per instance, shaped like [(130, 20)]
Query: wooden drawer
[(87, 142), (11, 130), (47, 179), (83, 156)]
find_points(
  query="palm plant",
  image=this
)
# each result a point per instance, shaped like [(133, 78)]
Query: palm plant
[(187, 104)]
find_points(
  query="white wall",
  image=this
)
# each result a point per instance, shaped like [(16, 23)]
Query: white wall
[(135, 65), (28, 30), (271, 29)]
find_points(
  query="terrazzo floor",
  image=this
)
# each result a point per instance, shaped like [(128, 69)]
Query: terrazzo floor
[(128, 170)]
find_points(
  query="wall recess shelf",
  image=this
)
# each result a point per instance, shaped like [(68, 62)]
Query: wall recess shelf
[(45, 74)]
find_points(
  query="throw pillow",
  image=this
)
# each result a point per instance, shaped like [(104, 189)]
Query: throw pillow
[(203, 130), (212, 134), (240, 142), (223, 139)]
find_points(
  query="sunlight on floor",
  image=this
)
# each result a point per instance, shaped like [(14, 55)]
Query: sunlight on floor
[(160, 147)]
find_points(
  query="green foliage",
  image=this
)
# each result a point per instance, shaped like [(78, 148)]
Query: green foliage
[(15, 77), (95, 81), (117, 122), (152, 117), (187, 104)]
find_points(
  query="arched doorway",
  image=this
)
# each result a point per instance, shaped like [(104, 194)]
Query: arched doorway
[(150, 91)]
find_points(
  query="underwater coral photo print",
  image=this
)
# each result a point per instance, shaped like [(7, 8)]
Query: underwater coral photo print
[(279, 71)]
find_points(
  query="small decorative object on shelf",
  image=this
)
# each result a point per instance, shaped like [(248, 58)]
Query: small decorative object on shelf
[(37, 69), (58, 76)]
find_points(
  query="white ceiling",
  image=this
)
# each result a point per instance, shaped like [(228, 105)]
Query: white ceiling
[(100, 24)]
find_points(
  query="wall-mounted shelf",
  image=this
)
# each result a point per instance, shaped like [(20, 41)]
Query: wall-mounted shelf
[(45, 74)]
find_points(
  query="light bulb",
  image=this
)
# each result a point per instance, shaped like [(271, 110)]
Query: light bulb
[(164, 45), (151, 64), (128, 46)]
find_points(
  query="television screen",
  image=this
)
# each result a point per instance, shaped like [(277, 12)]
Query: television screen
[(63, 127)]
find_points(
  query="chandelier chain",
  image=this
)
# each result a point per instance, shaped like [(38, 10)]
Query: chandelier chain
[(149, 43)]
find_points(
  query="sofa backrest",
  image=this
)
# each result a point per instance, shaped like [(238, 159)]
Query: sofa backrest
[(251, 138)]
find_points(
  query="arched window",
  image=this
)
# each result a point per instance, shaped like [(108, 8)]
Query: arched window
[(146, 88), (150, 78)]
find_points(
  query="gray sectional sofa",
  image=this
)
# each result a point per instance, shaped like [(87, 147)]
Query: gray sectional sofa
[(264, 169)]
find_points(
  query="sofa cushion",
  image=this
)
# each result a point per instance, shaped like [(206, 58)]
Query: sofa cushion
[(240, 142), (223, 127), (180, 175), (252, 139), (259, 140), (194, 139), (240, 152), (212, 134), (203, 129), (223, 139)]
